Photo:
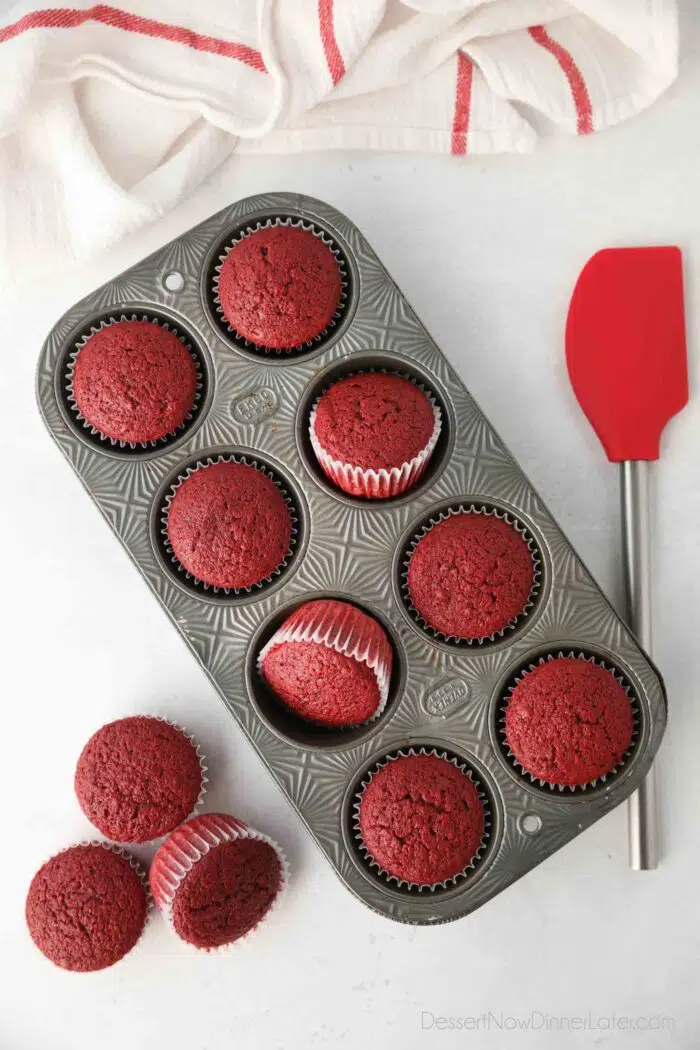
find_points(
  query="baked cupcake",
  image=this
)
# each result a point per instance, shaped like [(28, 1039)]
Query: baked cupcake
[(329, 663), (374, 433), (138, 778), (470, 575), (568, 721), (420, 819), (134, 382), (86, 907), (229, 525), (279, 287), (215, 880)]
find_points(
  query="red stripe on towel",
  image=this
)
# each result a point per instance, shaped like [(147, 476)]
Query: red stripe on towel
[(579, 91), (463, 102), (336, 66), (70, 18)]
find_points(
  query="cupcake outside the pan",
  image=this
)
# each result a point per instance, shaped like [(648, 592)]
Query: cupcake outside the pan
[(374, 433), (139, 777), (87, 906), (329, 663), (215, 880), (134, 382)]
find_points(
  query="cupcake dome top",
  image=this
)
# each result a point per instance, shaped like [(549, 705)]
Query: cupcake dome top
[(134, 381), (279, 287), (229, 526)]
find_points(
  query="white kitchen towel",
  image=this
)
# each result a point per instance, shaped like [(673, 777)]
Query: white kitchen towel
[(109, 115)]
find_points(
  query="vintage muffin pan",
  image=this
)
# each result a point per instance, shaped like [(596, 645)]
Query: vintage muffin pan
[(444, 695)]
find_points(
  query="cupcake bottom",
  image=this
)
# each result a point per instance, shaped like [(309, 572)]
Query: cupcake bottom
[(216, 880)]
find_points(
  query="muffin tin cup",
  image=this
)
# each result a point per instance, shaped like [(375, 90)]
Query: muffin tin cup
[(468, 507), (367, 483), (259, 348), (375, 866), (569, 789), (185, 847), (332, 633), (178, 568), (146, 446), (444, 693)]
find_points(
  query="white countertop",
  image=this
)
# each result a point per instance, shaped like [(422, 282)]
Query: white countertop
[(487, 251)]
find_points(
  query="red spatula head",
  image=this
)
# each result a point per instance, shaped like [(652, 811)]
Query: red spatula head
[(625, 347)]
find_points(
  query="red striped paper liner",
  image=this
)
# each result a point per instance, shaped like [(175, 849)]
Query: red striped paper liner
[(340, 626), (186, 846)]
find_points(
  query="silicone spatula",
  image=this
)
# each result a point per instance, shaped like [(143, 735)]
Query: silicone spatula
[(626, 355)]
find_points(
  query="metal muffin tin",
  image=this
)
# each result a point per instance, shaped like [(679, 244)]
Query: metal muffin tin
[(443, 695)]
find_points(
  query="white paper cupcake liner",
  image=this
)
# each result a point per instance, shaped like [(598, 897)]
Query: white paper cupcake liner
[(342, 301), (69, 376), (180, 569), (339, 629), (381, 483), (513, 624), (186, 846), (394, 879), (571, 789), (204, 779), (143, 878)]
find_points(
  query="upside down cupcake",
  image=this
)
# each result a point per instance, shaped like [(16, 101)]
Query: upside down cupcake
[(279, 287), (470, 575), (420, 819), (568, 721), (374, 433), (329, 663), (215, 880), (134, 382), (229, 525)]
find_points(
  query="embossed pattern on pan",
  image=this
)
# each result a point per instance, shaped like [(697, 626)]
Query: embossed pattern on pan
[(443, 696)]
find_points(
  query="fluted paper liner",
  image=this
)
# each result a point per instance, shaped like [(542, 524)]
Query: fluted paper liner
[(186, 846), (208, 462), (342, 301), (394, 879), (520, 528), (381, 483), (575, 655), (70, 373), (340, 626)]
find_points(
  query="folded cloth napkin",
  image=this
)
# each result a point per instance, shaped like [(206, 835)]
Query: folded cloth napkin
[(109, 115)]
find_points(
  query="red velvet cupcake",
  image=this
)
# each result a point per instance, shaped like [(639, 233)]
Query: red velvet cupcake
[(420, 819), (216, 880), (279, 287), (374, 433), (568, 721), (134, 382), (138, 778), (86, 907), (470, 575), (229, 525), (329, 663)]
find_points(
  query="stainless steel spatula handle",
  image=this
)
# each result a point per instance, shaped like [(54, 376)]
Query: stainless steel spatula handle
[(636, 542)]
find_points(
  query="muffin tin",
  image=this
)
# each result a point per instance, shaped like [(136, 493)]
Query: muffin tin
[(444, 695)]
